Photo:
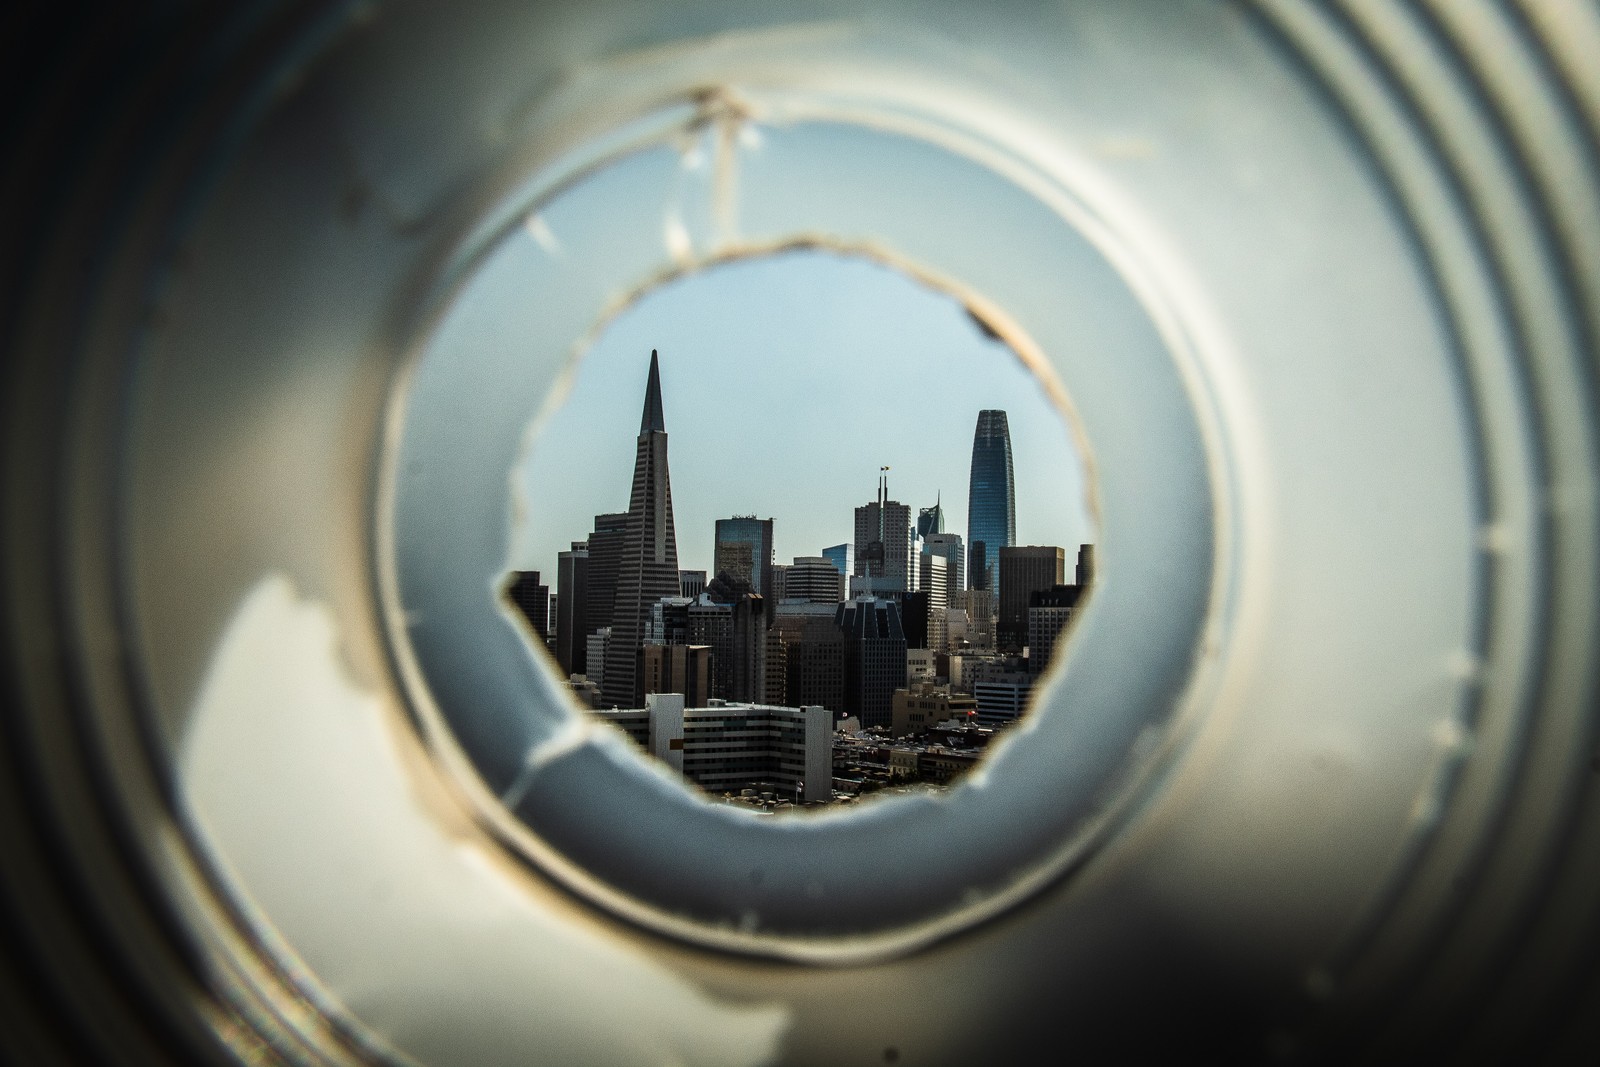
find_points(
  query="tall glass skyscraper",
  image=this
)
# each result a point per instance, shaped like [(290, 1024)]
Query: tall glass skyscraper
[(991, 497)]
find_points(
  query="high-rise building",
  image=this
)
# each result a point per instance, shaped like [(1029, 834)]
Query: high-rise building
[(683, 669), (1085, 576), (1049, 611), (933, 578), (648, 569), (743, 550), (884, 543), (812, 656), (948, 546), (991, 496), (572, 609), (813, 578), (978, 565), (874, 658), (930, 521), (842, 557), (669, 621), (532, 599), (1024, 570), (605, 556), (597, 643), (736, 633)]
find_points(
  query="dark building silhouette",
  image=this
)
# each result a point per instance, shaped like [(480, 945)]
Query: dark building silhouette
[(914, 611), (605, 557), (572, 609), (991, 496), (648, 568), (532, 599), (874, 658), (1024, 570), (930, 520), (1085, 566), (805, 663)]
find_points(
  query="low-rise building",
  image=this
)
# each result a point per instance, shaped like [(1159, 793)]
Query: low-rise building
[(728, 746), (922, 707)]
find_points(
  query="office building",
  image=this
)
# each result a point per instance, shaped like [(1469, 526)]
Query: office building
[(979, 605), (842, 557), (991, 497), (736, 634), (930, 521), (691, 583), (950, 548), (605, 556), (885, 543), (596, 645), (648, 569), (729, 746), (814, 579), (810, 650), (1025, 570), (572, 607), (919, 708), (933, 578), (874, 658), (532, 601), (681, 669), (1002, 696), (914, 611), (669, 621), (743, 549), (1049, 611)]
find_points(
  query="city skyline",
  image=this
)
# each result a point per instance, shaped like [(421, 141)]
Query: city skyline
[(864, 369)]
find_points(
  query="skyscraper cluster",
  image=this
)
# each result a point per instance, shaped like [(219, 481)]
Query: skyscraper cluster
[(903, 607)]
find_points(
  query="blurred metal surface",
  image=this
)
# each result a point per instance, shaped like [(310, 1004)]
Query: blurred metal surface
[(1370, 828)]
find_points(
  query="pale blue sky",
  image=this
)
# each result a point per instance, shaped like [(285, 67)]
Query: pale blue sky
[(787, 382)]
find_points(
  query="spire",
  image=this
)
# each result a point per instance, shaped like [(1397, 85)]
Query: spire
[(654, 418)]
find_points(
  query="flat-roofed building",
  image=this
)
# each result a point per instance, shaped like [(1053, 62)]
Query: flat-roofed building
[(921, 708), (729, 746)]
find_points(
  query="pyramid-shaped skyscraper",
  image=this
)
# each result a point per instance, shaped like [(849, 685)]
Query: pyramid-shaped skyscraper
[(648, 569)]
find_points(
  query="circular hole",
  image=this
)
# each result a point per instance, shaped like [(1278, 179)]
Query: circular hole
[(817, 390)]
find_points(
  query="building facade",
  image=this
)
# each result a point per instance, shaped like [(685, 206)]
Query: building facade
[(885, 544), (952, 549), (743, 550), (1049, 612), (813, 579), (681, 669), (1025, 570)]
